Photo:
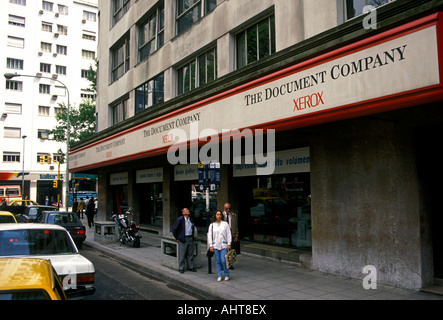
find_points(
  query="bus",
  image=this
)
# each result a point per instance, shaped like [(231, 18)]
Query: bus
[(10, 193)]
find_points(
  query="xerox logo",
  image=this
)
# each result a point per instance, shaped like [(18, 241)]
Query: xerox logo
[(309, 101)]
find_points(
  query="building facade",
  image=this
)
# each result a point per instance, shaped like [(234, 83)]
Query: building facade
[(46, 41), (315, 116)]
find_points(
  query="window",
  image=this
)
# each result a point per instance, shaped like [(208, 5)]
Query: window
[(355, 8), (120, 58), (89, 16), (47, 6), (45, 47), (12, 63), (60, 70), (45, 88), (13, 133), (13, 108), (119, 111), (63, 10), (19, 2), (45, 67), (190, 11), (88, 37), (16, 21), (84, 73), (119, 8), (90, 55), (43, 134), (11, 156), (46, 26), (151, 33), (197, 72), (16, 42), (43, 111), (63, 50), (62, 29), (256, 42), (149, 93), (14, 85)]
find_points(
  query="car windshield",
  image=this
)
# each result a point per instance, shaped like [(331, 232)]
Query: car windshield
[(6, 219), (35, 242), (61, 218)]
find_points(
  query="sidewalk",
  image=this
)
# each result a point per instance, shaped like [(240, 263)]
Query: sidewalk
[(253, 278)]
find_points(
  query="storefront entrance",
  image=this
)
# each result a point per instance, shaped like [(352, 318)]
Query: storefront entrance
[(151, 203)]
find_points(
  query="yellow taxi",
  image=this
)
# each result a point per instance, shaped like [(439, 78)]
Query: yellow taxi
[(7, 217), (29, 279), (16, 203)]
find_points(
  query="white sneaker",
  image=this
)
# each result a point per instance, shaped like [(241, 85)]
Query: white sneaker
[(219, 279), (226, 278)]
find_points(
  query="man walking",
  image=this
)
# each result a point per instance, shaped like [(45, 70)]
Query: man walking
[(232, 220), (183, 231)]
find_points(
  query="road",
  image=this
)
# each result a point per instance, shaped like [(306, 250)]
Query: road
[(115, 281)]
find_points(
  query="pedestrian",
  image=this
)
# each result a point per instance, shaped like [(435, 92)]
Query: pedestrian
[(75, 207), (90, 212), (232, 220), (46, 201), (81, 207), (183, 231), (95, 208), (219, 242)]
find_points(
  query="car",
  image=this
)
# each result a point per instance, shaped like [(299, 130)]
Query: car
[(29, 279), (15, 203), (69, 220), (7, 217), (29, 213), (54, 243)]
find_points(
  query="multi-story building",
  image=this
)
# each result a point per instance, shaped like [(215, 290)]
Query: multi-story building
[(346, 92), (52, 43)]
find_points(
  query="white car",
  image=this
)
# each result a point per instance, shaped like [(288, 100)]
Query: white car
[(47, 241)]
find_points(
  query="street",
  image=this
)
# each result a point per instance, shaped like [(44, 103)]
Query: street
[(115, 281)]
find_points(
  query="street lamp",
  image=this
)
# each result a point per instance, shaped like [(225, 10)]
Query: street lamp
[(23, 168), (9, 76)]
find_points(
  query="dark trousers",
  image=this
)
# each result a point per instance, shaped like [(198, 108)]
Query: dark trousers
[(186, 253)]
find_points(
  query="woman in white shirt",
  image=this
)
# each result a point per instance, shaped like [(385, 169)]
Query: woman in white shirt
[(219, 242)]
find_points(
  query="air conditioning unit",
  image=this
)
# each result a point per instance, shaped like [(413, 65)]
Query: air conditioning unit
[(40, 12), (83, 20), (54, 97), (57, 14), (56, 35), (54, 54), (54, 76), (40, 53), (38, 74)]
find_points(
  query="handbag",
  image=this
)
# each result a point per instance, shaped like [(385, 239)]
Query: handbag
[(231, 258), (209, 253)]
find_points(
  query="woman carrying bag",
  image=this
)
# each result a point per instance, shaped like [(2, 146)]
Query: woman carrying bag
[(219, 242)]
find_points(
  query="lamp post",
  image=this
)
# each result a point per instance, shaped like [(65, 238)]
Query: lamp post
[(9, 76), (23, 168)]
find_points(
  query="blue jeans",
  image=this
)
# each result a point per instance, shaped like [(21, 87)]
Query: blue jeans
[(220, 262)]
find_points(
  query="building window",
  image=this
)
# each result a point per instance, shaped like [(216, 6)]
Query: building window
[(46, 26), (43, 134), (13, 108), (149, 93), (84, 73), (14, 85), (90, 55), (119, 8), (45, 67), (12, 63), (151, 33), (60, 70), (16, 21), (120, 58), (90, 37), (63, 10), (63, 50), (197, 72), (45, 88), (62, 29), (16, 42), (119, 111), (45, 47), (12, 133), (47, 6), (19, 2), (11, 157), (354, 8), (190, 11), (89, 16), (43, 111), (256, 42)]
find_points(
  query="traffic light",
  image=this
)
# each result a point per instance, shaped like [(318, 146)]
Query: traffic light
[(55, 184), (49, 160), (42, 159)]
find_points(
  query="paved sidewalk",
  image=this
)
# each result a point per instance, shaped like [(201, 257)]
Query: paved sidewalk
[(254, 278)]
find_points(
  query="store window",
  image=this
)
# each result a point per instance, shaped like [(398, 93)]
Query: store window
[(256, 42), (354, 8)]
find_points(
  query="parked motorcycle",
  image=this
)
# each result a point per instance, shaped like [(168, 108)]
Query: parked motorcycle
[(127, 230)]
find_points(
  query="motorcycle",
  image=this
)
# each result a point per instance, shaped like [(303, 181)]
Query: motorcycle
[(127, 230)]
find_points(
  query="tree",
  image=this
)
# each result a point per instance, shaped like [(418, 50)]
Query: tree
[(81, 119)]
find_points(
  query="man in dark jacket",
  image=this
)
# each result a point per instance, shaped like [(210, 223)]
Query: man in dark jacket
[(183, 231)]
